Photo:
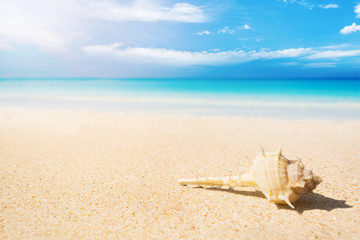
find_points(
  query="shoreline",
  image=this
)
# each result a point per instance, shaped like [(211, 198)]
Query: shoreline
[(198, 106)]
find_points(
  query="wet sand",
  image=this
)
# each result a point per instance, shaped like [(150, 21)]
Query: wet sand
[(96, 175)]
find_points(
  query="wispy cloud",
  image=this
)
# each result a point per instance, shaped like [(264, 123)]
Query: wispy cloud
[(328, 6), (295, 1), (147, 11), (310, 4), (303, 3), (349, 29), (56, 24), (284, 53), (338, 46), (226, 30), (334, 54), (164, 56), (185, 58), (102, 49), (229, 30), (205, 32), (188, 58), (44, 24)]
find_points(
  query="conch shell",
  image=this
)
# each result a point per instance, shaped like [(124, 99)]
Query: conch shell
[(281, 180)]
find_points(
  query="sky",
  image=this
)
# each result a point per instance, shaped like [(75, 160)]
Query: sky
[(167, 38)]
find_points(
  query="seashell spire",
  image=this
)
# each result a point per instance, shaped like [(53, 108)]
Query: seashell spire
[(281, 180)]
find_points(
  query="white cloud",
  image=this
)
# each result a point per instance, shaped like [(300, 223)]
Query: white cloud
[(206, 32), (334, 54), (188, 58), (146, 11), (44, 24), (285, 53), (164, 56), (357, 10), (289, 1), (226, 30), (56, 24), (349, 29), (344, 45), (328, 6), (353, 27), (103, 49), (303, 3), (244, 27)]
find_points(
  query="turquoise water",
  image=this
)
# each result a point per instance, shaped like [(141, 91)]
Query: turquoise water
[(337, 88), (255, 97)]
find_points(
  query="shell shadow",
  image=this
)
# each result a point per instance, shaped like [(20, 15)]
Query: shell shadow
[(254, 193), (316, 201), (307, 202)]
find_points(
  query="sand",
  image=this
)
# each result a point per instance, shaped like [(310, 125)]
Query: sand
[(98, 175)]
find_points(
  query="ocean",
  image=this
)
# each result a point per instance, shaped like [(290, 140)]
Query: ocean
[(284, 98)]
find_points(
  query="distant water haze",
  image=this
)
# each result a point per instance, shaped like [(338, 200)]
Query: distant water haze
[(284, 98)]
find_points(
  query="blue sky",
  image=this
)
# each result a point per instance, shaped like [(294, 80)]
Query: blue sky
[(163, 38)]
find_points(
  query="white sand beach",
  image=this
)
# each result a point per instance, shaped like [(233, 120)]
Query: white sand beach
[(102, 175)]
